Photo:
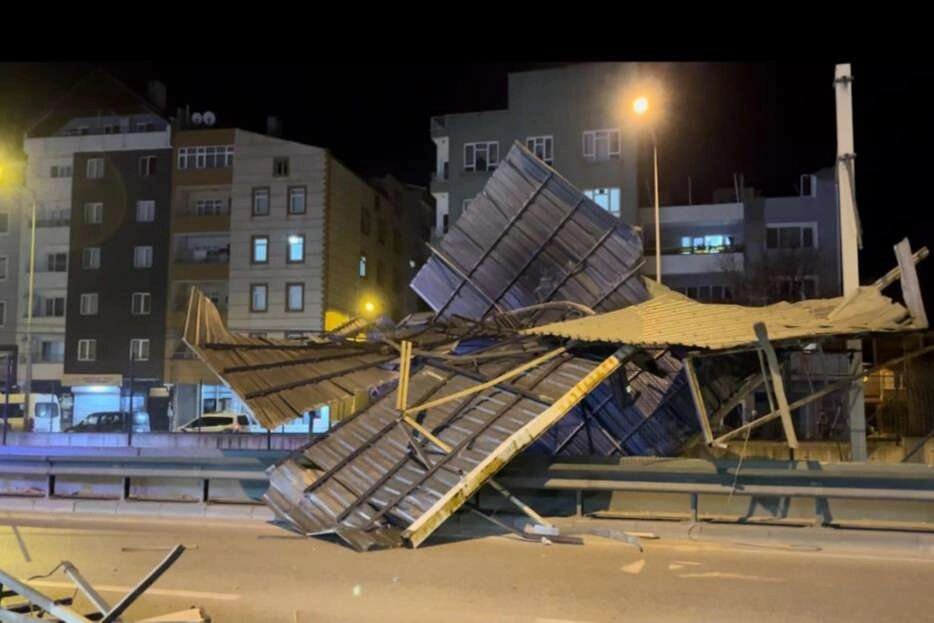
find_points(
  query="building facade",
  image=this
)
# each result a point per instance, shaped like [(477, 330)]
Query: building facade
[(754, 251), (12, 203), (574, 118)]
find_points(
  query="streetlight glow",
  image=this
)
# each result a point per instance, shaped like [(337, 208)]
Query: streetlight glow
[(641, 105), (369, 307)]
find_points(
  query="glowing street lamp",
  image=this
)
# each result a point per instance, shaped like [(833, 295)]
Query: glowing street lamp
[(641, 107)]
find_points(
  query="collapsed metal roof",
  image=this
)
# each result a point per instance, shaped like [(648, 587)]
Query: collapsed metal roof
[(527, 238), (670, 318)]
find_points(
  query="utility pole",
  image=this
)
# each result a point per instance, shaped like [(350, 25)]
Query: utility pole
[(849, 242)]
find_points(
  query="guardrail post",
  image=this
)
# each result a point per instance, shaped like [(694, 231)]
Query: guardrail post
[(579, 498), (694, 507), (125, 495), (50, 486), (205, 491)]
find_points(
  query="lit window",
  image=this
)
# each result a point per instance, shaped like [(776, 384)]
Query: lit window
[(481, 156), (139, 349), (93, 213), (212, 157), (89, 304), (142, 257), (141, 304), (362, 265), (260, 201), (95, 168), (296, 249), (258, 297), (542, 147), (87, 350), (297, 200), (601, 145), (210, 207), (295, 297), (91, 258), (145, 211), (606, 198), (260, 253)]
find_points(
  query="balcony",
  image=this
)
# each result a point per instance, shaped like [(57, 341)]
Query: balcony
[(159, 139), (63, 221), (707, 214), (678, 261)]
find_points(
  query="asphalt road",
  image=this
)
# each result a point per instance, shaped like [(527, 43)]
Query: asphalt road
[(259, 573)]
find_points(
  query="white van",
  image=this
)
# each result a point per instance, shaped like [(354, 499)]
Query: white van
[(44, 416)]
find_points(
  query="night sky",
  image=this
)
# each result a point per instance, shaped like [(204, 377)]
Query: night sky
[(770, 122)]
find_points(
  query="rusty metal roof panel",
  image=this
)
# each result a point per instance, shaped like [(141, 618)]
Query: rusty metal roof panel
[(670, 318), (530, 237), (368, 483)]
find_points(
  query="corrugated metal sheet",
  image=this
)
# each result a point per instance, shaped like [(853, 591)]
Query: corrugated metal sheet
[(670, 318), (530, 237), (367, 483), (280, 380)]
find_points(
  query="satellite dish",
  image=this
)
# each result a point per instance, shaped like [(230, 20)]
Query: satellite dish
[(196, 118), (209, 118)]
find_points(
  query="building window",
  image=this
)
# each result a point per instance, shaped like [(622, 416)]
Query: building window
[(261, 201), (139, 349), (280, 166), (212, 157), (381, 231), (716, 243), (600, 145), (297, 200), (258, 297), (91, 258), (2, 313), (481, 156), (4, 222), (363, 265), (606, 198), (142, 257), (787, 288), (93, 213), (295, 251), (61, 170), (87, 350), (145, 211), (89, 304), (55, 307), (4, 266), (57, 262), (260, 250), (380, 272), (95, 168), (141, 304), (294, 297), (51, 352), (147, 166), (210, 207), (542, 147), (791, 236), (364, 221)]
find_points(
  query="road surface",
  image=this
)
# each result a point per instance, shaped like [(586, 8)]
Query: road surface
[(259, 573)]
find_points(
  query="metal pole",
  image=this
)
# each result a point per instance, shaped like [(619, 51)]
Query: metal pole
[(658, 230), (27, 390), (129, 437), (6, 397), (849, 258)]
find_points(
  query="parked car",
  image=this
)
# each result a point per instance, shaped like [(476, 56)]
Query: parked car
[(111, 422), (223, 422)]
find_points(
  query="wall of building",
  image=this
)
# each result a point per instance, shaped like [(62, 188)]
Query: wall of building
[(562, 103), (117, 279), (12, 205), (253, 168)]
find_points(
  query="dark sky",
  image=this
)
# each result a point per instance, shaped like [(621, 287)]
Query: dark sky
[(770, 122)]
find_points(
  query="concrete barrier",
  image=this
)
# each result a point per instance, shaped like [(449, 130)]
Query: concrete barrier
[(174, 441)]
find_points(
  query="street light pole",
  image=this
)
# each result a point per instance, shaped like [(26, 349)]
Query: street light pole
[(658, 224), (27, 390)]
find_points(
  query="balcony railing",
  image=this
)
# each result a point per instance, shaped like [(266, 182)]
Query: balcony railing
[(51, 222), (734, 248), (203, 256)]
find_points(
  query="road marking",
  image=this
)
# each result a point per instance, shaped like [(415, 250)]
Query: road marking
[(168, 592), (634, 568), (725, 575)]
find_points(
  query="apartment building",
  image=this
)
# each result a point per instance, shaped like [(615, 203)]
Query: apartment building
[(284, 238), (749, 248), (12, 202), (575, 118), (99, 116)]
